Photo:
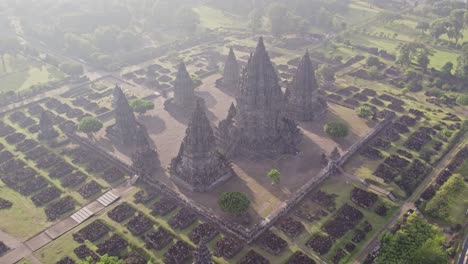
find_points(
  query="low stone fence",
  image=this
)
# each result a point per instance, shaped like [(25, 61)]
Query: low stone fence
[(361, 142), (103, 153), (350, 106), (206, 74)]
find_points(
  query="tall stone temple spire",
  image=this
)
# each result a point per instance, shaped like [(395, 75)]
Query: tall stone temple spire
[(145, 160), (303, 100), (261, 127), (231, 73), (198, 165), (46, 125), (184, 90), (202, 254), (126, 126)]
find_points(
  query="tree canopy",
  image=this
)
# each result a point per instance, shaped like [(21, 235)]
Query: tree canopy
[(336, 129), (71, 68), (275, 176), (416, 242), (439, 205), (235, 203), (141, 106), (364, 111), (89, 125)]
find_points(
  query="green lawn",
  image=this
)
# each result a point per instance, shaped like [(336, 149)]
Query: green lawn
[(214, 18), (20, 74), (23, 220), (13, 64), (342, 188), (23, 80)]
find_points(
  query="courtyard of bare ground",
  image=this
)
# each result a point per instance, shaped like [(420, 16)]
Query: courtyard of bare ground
[(167, 131)]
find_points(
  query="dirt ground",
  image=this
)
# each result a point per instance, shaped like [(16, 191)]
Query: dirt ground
[(167, 131)]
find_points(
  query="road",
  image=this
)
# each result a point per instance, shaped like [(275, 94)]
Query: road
[(463, 258)]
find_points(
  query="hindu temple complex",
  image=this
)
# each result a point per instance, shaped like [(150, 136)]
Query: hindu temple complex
[(198, 165), (260, 127)]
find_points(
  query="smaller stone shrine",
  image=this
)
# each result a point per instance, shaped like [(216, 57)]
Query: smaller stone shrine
[(198, 165), (46, 125)]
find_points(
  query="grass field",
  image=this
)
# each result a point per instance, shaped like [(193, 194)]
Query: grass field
[(20, 74), (23, 219), (214, 18)]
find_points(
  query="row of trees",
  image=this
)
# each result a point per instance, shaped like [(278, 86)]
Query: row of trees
[(414, 52), (452, 25), (298, 16), (416, 242), (169, 14), (439, 205), (8, 45)]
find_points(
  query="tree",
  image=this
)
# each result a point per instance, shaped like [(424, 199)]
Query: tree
[(106, 259), (423, 26), (439, 205), (106, 38), (414, 239), (457, 24), (234, 203), (446, 70), (255, 21), (279, 19), (438, 28), (89, 125), (336, 129), (141, 106), (71, 68), (372, 61), (462, 66), (423, 60), (78, 45), (431, 252), (325, 74), (128, 40), (187, 19), (364, 111), (409, 52), (462, 99), (275, 176), (8, 46)]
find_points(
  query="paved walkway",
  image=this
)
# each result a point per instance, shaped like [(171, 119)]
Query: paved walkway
[(26, 249), (365, 183)]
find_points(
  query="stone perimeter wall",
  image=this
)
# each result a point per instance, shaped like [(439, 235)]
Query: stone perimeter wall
[(247, 235)]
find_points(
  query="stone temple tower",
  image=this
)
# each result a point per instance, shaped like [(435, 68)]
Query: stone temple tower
[(198, 165), (125, 129), (145, 161), (231, 73), (261, 128), (184, 90), (303, 100)]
